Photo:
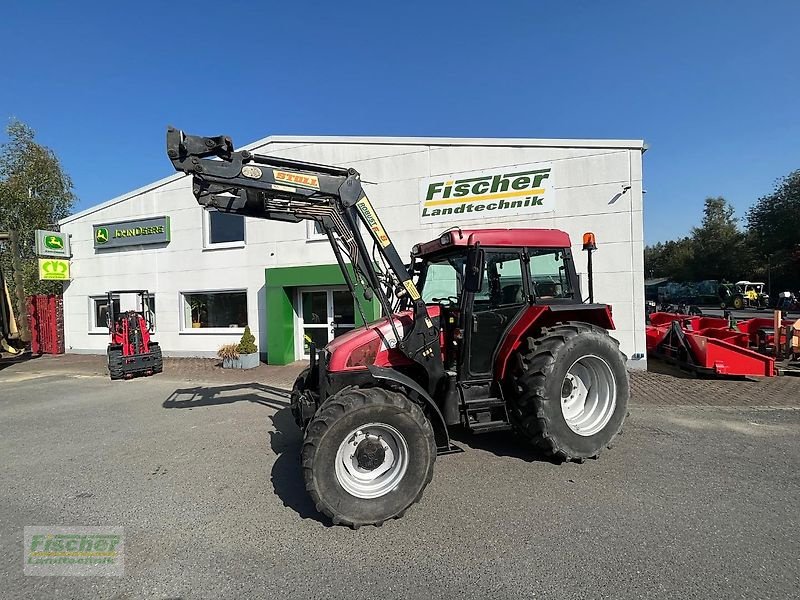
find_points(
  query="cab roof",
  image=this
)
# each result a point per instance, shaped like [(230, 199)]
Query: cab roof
[(511, 238)]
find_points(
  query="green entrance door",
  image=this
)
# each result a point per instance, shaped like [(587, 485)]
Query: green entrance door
[(322, 314)]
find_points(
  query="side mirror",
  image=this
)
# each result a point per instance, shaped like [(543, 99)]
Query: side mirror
[(473, 277)]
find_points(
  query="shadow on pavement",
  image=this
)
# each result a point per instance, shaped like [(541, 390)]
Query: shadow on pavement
[(9, 360), (286, 440), (502, 443), (226, 394)]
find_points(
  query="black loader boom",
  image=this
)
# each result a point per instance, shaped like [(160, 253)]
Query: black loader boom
[(281, 189)]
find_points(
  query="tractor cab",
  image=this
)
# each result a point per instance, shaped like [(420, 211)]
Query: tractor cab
[(486, 280)]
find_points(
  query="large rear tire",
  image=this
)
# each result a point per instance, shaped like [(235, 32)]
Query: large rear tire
[(569, 390), (367, 456)]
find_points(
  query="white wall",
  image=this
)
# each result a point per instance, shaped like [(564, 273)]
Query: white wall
[(588, 183)]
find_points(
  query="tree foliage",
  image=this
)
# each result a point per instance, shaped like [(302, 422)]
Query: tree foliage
[(35, 193), (718, 246), (717, 249), (774, 228), (768, 250)]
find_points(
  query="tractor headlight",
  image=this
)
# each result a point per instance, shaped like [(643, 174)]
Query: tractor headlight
[(445, 239)]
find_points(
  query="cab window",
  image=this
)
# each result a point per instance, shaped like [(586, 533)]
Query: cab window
[(502, 281), (549, 273)]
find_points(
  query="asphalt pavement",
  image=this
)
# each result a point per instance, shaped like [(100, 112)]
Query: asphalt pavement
[(692, 502)]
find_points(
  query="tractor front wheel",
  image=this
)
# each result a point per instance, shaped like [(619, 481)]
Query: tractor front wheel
[(367, 456), (569, 390)]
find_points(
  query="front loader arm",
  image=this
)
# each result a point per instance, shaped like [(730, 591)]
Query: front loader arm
[(279, 189)]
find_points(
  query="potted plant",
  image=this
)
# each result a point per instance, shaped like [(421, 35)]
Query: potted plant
[(197, 306), (248, 351), (229, 355), (243, 355)]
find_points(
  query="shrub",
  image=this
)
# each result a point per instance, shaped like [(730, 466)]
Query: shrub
[(247, 345), (228, 351)]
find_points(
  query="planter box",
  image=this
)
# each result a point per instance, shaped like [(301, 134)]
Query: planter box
[(245, 361)]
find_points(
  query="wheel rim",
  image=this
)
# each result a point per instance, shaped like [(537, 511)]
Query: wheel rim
[(372, 460), (588, 395)]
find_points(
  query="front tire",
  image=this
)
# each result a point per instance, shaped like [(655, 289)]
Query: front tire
[(115, 364), (569, 391), (367, 456), (158, 359)]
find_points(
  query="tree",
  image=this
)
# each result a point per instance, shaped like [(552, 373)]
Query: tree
[(35, 193), (672, 259), (719, 248), (774, 228)]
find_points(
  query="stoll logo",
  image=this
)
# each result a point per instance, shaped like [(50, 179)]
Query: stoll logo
[(500, 193)]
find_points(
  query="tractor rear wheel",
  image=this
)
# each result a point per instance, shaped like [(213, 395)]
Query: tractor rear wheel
[(158, 360), (367, 456), (115, 365), (738, 302), (569, 390)]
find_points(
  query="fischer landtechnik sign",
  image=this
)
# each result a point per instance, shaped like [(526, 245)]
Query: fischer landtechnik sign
[(488, 193)]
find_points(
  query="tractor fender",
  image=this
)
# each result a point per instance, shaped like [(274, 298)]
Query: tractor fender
[(434, 414), (544, 315)]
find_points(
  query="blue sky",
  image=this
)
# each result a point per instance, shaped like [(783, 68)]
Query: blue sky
[(713, 86)]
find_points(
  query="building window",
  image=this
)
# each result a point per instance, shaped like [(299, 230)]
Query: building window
[(98, 311), (214, 310), (224, 230), (314, 231)]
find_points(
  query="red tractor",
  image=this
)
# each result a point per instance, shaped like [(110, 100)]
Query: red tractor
[(131, 351), (485, 329)]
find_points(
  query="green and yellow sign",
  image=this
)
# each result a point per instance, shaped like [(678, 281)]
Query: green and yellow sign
[(500, 192), (52, 243), (53, 269), (153, 230)]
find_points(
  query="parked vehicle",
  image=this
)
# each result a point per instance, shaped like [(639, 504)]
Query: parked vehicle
[(485, 329)]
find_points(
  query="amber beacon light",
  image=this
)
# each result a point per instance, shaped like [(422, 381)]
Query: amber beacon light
[(590, 245)]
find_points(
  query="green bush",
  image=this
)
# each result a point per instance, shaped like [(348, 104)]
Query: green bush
[(247, 345)]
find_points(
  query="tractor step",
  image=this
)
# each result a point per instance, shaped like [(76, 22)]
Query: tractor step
[(485, 414), (488, 426), (479, 404)]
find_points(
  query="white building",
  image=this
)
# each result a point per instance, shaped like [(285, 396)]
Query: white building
[(213, 273)]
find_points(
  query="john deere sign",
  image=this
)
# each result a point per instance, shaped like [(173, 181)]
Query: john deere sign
[(487, 194), (52, 243), (53, 269), (154, 230)]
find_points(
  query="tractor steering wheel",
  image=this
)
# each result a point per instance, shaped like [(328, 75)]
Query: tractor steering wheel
[(452, 300)]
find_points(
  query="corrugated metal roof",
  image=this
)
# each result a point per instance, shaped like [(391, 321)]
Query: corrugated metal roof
[(405, 141)]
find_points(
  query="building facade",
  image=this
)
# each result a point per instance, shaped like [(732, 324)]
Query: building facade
[(211, 274)]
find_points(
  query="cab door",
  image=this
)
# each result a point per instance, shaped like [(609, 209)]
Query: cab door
[(492, 310)]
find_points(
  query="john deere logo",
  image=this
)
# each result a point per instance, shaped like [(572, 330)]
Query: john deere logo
[(101, 235), (54, 242), (503, 193)]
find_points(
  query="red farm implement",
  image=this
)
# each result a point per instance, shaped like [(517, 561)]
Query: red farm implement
[(717, 346)]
